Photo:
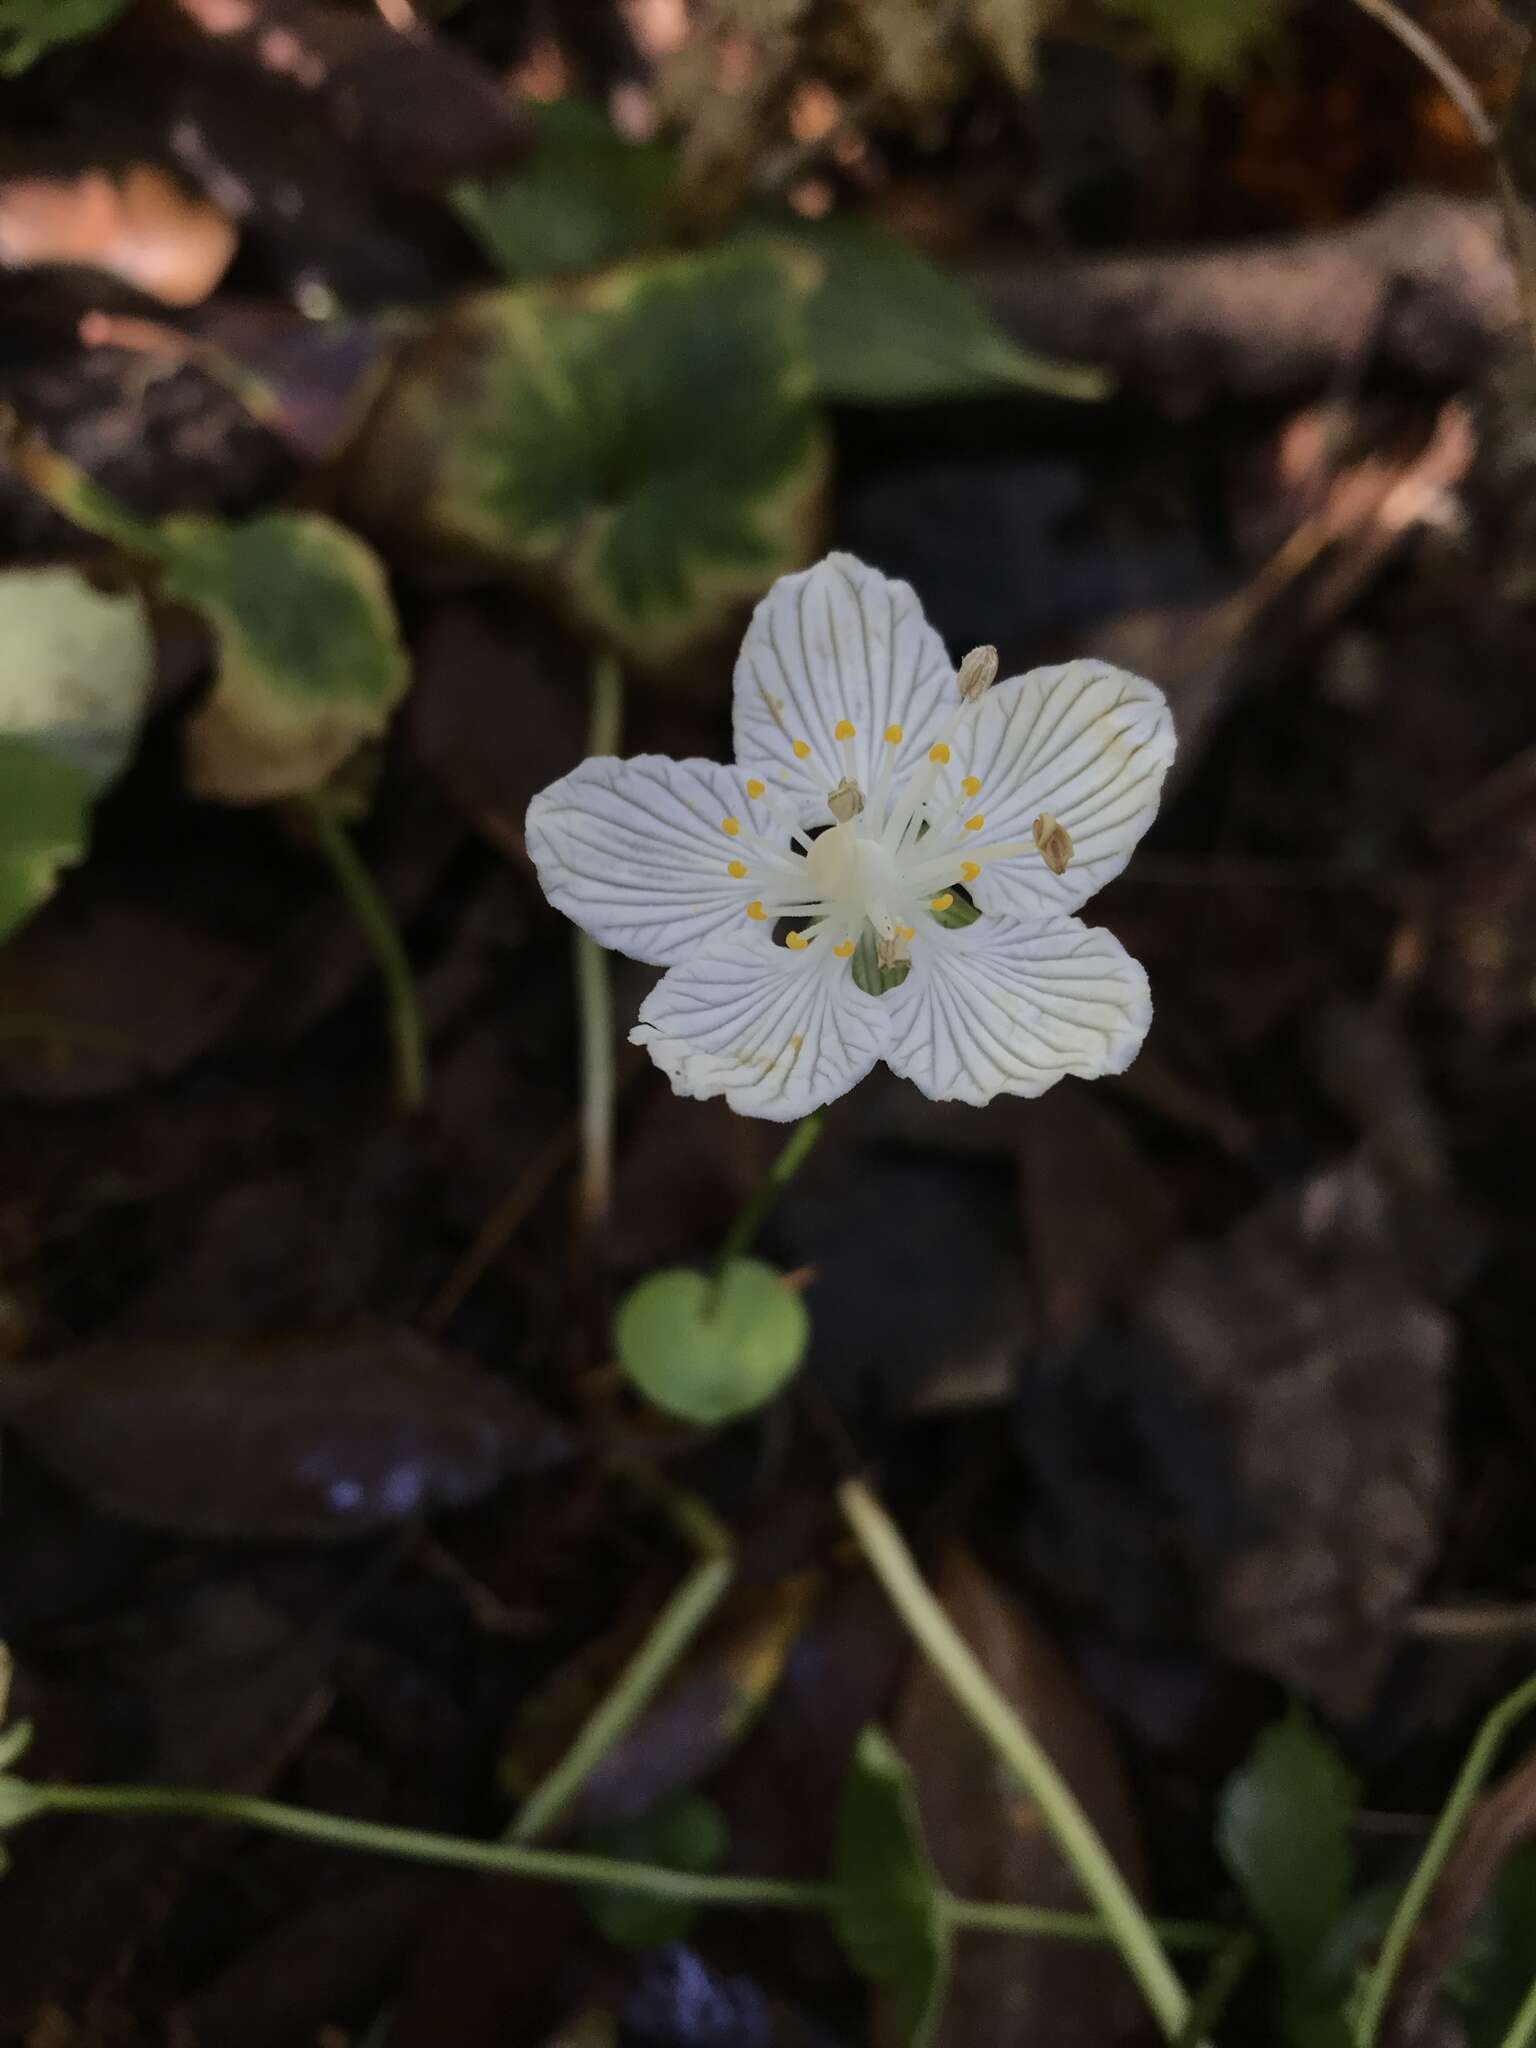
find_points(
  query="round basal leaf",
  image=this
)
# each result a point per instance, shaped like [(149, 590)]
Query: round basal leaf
[(643, 447), (889, 327), (77, 670), (45, 808), (710, 1350), (586, 198), (310, 659), (889, 1906), (686, 1832)]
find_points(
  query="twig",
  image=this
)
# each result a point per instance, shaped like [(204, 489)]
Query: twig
[(594, 996), (1448, 75)]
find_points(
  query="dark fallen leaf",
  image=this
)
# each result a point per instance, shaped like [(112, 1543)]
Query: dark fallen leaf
[(139, 226), (987, 1839), (300, 1439)]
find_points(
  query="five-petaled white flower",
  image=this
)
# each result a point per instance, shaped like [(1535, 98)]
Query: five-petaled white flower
[(873, 784)]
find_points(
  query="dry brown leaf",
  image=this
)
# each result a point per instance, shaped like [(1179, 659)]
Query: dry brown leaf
[(139, 226), (988, 1841)]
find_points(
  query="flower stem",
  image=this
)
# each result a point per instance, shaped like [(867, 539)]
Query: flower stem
[(420, 1846), (1481, 1758), (1125, 1924), (1522, 2031), (594, 995), (1047, 1922), (641, 1678), (406, 1030), (797, 1149)]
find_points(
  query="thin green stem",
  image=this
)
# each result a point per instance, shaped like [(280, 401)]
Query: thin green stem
[(1229, 1969), (1522, 2030), (742, 1233), (1480, 1761), (419, 1846), (407, 1032), (1047, 1922), (1126, 1925), (594, 994), (635, 1687)]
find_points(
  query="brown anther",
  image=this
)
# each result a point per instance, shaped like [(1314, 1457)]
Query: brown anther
[(1054, 842), (846, 801), (890, 953), (978, 672)]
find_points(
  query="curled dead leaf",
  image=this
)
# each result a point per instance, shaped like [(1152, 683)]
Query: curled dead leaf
[(139, 226)]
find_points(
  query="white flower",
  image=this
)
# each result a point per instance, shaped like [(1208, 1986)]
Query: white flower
[(872, 784)]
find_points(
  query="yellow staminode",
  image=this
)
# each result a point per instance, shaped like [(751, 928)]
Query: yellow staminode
[(938, 752), (756, 788), (942, 902), (801, 749), (893, 735), (844, 729), (796, 942), (905, 932), (737, 870), (975, 824), (730, 827), (756, 911), (845, 950), (969, 870), (971, 786)]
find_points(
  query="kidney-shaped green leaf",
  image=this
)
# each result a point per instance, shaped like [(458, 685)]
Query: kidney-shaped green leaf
[(644, 446), (889, 1906), (45, 808), (77, 669)]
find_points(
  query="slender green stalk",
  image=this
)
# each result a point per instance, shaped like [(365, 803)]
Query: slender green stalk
[(594, 994), (1522, 2030), (1229, 1969), (407, 1032), (742, 1233), (629, 1696), (1470, 1780), (1047, 1922), (420, 1846), (1125, 1924)]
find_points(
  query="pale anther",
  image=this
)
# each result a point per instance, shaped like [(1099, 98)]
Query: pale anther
[(1054, 842), (846, 801), (978, 672)]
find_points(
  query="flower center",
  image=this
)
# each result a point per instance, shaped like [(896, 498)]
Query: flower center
[(855, 873)]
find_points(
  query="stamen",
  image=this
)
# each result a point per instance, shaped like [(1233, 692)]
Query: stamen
[(737, 870), (1054, 842), (978, 672), (846, 801), (756, 789)]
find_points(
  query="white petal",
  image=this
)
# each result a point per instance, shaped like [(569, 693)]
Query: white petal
[(1001, 1008), (777, 1033), (635, 852), (836, 642), (1087, 744)]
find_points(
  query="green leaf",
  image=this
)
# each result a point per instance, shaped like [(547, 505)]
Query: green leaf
[(643, 446), (889, 1906), (1283, 1832), (311, 662), (586, 199), (889, 327), (686, 1832), (77, 671), (45, 808), (711, 1350), (1212, 38), (28, 28)]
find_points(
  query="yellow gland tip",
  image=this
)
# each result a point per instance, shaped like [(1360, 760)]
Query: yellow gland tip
[(737, 870), (756, 788), (893, 735), (939, 753), (905, 931), (975, 824), (971, 785), (845, 950), (796, 942), (969, 870), (844, 729), (942, 902), (801, 749), (756, 911), (730, 827)]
